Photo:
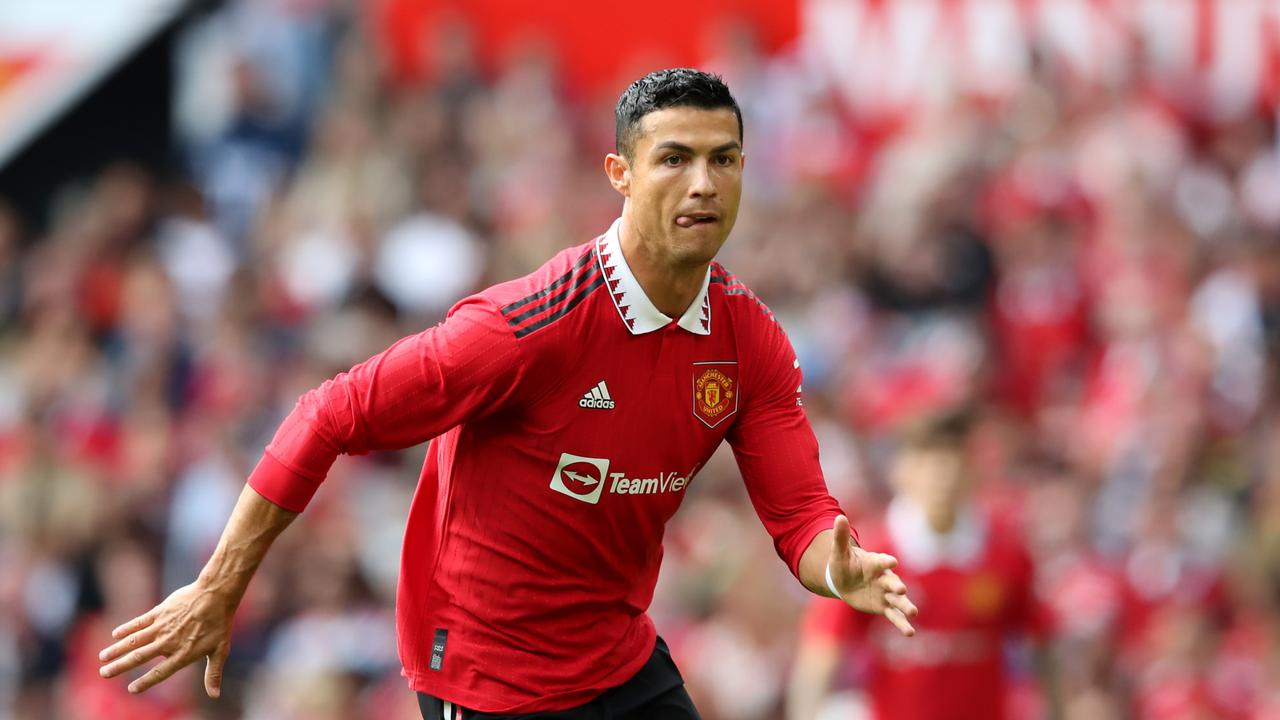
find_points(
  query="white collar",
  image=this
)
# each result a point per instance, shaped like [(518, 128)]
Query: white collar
[(924, 549), (636, 309)]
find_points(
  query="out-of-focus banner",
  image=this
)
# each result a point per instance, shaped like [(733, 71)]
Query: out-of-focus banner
[(1213, 58), (597, 45), (52, 52)]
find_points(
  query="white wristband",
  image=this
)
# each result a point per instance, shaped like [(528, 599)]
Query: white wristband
[(831, 584)]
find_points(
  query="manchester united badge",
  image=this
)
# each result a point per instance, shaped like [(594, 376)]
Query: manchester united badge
[(715, 391)]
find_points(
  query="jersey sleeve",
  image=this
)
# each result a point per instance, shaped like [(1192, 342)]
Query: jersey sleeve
[(777, 452), (468, 366)]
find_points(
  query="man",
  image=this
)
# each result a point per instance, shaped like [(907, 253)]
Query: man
[(571, 409), (971, 575)]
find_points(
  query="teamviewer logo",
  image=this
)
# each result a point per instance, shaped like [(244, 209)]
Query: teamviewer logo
[(581, 478)]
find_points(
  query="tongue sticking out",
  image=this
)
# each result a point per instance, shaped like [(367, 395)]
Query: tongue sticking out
[(685, 221)]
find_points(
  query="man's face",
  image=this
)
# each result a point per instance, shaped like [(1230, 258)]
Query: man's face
[(937, 479), (685, 181)]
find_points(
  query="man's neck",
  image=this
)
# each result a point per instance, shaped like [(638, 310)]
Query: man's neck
[(671, 288)]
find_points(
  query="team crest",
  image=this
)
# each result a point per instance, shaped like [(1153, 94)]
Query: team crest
[(715, 391), (984, 595)]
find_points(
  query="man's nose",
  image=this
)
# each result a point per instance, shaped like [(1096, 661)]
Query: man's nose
[(701, 184)]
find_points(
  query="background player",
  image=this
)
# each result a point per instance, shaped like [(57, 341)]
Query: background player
[(971, 576)]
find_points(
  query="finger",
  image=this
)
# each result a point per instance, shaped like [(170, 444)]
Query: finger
[(899, 621), (160, 672), (902, 604), (132, 660), (840, 541), (133, 642), (213, 671), (875, 564), (137, 623), (891, 583)]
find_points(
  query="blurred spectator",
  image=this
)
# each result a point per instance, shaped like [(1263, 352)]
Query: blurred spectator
[(429, 259)]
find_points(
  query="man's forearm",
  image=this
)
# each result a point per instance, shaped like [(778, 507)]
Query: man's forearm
[(254, 525), (813, 564)]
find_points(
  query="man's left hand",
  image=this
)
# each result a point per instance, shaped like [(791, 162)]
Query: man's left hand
[(866, 581)]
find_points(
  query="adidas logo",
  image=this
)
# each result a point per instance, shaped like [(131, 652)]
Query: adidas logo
[(597, 398)]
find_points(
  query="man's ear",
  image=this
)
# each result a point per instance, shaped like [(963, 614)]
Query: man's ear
[(619, 172)]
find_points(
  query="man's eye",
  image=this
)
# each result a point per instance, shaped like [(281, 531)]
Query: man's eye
[(725, 160), (673, 160)]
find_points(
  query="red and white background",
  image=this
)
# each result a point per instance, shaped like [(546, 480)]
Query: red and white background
[(890, 57), (893, 57)]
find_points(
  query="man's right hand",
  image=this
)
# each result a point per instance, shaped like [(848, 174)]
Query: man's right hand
[(192, 623), (195, 621)]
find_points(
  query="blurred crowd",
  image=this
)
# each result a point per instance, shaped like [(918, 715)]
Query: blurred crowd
[(1095, 271)]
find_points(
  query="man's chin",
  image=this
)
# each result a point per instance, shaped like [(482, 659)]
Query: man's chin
[(697, 255), (697, 245)]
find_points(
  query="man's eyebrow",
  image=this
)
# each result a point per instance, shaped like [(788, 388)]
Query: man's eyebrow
[(680, 147)]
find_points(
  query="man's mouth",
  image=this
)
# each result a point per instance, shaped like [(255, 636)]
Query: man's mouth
[(694, 219)]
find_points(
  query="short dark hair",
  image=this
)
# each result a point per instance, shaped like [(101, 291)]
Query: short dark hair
[(674, 87), (946, 430)]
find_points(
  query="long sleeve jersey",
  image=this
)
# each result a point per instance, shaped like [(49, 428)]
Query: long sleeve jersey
[(569, 418)]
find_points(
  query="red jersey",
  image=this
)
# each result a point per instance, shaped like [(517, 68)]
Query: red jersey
[(570, 416), (972, 590)]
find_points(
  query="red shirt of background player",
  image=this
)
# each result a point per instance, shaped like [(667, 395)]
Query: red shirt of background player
[(973, 591), (571, 415)]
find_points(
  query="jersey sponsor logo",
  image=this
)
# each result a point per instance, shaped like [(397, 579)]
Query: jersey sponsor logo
[(597, 398), (581, 478), (620, 484), (715, 391), (586, 478), (930, 648)]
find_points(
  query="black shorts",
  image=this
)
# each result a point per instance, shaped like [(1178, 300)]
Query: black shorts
[(656, 692)]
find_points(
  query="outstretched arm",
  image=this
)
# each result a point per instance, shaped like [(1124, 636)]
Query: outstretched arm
[(862, 579), (778, 456), (417, 389), (195, 621)]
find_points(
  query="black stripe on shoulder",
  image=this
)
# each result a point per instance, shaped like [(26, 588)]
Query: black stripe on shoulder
[(720, 276), (582, 261), (739, 289), (564, 309), (581, 278)]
